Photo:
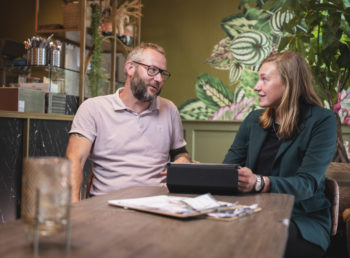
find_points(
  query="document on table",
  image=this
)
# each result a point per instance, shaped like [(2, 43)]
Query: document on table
[(174, 205)]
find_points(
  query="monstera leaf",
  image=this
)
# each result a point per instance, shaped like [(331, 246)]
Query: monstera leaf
[(250, 48), (236, 24), (194, 109), (221, 56), (236, 111), (277, 20), (213, 92), (235, 72)]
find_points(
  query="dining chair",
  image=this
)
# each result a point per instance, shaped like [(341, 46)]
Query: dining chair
[(332, 193)]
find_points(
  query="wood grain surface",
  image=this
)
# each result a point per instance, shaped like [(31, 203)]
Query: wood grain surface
[(100, 230)]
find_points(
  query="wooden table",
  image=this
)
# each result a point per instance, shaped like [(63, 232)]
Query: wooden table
[(100, 230)]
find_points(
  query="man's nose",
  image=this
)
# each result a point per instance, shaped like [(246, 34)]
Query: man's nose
[(159, 77)]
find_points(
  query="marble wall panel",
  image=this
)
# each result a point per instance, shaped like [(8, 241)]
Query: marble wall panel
[(50, 138), (11, 146)]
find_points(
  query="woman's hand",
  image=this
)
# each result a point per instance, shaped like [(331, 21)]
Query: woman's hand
[(246, 180)]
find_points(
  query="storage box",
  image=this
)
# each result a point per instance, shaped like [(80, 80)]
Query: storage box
[(56, 103), (22, 100), (45, 87), (71, 15)]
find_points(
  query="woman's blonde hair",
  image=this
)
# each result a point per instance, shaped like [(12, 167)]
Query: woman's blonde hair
[(297, 78)]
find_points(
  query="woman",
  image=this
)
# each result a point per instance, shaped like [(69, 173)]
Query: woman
[(287, 147)]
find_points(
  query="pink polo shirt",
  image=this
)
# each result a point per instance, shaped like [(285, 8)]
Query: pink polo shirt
[(128, 148)]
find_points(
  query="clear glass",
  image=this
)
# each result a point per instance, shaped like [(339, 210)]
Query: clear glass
[(49, 78), (45, 195)]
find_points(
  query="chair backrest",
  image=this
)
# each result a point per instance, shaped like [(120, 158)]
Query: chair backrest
[(332, 193)]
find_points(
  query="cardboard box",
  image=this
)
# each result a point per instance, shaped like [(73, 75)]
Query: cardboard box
[(22, 100)]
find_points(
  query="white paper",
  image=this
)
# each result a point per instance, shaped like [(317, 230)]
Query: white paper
[(21, 105)]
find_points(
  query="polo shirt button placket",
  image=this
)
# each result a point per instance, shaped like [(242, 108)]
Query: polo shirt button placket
[(140, 123)]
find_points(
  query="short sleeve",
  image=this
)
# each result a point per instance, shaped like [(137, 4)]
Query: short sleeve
[(84, 121)]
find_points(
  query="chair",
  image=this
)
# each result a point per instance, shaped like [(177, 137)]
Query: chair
[(332, 193), (88, 185), (346, 218)]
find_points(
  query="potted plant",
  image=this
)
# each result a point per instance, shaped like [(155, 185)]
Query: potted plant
[(96, 74)]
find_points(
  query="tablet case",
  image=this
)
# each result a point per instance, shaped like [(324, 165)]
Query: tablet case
[(202, 178)]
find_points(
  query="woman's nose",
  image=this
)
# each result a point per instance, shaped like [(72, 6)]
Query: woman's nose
[(257, 86)]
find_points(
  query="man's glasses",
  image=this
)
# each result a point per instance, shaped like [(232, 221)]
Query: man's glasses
[(153, 71)]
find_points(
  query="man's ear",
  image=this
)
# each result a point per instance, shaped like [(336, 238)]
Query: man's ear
[(130, 68)]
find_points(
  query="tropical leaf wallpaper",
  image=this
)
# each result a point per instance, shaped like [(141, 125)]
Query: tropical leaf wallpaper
[(251, 36)]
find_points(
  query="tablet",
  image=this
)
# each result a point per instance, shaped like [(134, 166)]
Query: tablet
[(214, 178)]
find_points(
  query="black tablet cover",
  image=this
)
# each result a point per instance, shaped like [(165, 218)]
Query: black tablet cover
[(214, 178)]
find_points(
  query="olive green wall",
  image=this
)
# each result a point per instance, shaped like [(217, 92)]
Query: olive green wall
[(17, 17), (188, 30)]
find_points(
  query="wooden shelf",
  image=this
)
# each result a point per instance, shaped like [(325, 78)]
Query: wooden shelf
[(29, 115), (49, 31), (113, 46)]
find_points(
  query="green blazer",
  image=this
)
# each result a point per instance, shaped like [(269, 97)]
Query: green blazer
[(298, 168)]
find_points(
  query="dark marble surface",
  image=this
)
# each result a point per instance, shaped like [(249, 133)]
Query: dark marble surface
[(11, 146), (50, 138), (46, 138), (72, 103)]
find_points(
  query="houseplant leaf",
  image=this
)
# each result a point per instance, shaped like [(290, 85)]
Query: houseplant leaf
[(236, 111), (221, 57), (195, 109), (213, 92), (250, 48), (235, 72), (236, 24)]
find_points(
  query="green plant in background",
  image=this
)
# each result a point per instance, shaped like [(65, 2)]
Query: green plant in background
[(320, 31), (251, 36), (96, 74), (317, 29)]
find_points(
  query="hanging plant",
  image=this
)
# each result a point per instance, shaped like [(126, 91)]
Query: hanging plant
[(96, 74)]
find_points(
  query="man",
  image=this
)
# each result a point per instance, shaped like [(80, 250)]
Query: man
[(129, 136)]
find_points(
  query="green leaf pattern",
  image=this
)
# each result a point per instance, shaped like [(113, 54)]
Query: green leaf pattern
[(251, 36), (221, 56), (234, 25), (251, 48), (195, 109), (213, 92), (236, 111), (235, 72)]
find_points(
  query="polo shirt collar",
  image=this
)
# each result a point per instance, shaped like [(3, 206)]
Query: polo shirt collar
[(119, 105)]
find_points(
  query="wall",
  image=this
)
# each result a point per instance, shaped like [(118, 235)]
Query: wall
[(188, 30), (17, 17), (209, 141)]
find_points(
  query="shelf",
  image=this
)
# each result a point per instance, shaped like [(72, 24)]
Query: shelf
[(44, 31), (29, 115)]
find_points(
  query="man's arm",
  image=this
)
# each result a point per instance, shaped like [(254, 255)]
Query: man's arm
[(180, 155), (78, 150)]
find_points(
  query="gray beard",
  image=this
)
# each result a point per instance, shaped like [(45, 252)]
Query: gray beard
[(139, 89)]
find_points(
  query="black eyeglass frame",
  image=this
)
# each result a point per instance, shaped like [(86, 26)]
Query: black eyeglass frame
[(164, 73)]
